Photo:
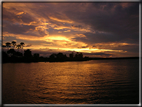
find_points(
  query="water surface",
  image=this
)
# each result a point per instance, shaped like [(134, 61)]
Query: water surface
[(88, 82)]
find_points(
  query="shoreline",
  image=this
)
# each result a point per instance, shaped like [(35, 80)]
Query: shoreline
[(80, 60)]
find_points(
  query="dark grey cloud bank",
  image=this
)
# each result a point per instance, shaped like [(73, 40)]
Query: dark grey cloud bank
[(116, 23)]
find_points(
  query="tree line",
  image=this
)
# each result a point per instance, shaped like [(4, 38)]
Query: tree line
[(11, 55), (14, 45)]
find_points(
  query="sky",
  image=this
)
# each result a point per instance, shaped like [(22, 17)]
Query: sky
[(95, 29)]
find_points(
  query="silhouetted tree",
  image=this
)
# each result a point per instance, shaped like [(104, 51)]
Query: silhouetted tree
[(86, 58), (61, 57), (4, 57), (71, 55), (80, 55), (18, 54), (18, 46), (14, 44), (52, 57), (76, 55), (65, 56), (28, 53), (36, 57), (11, 51), (8, 44), (22, 44)]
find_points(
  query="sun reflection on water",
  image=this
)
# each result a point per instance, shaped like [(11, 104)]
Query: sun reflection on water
[(89, 82)]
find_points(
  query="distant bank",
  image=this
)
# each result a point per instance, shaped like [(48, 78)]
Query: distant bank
[(113, 58), (13, 56)]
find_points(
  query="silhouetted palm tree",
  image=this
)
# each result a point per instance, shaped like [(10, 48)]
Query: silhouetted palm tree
[(22, 44), (14, 43), (8, 44), (18, 46)]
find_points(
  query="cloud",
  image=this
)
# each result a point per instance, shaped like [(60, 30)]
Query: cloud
[(60, 20), (112, 27), (99, 54), (119, 22), (15, 15), (28, 45), (67, 31), (16, 28), (113, 45)]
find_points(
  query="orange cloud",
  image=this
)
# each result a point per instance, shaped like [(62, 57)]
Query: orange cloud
[(60, 20), (80, 35), (61, 27), (59, 31), (67, 31), (20, 13), (80, 29), (111, 45)]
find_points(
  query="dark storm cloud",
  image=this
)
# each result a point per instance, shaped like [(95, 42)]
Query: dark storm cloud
[(121, 23), (96, 38), (107, 37), (128, 48)]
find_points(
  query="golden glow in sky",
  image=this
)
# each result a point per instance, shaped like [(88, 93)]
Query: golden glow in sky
[(68, 27)]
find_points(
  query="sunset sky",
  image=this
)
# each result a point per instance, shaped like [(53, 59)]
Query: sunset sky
[(95, 29)]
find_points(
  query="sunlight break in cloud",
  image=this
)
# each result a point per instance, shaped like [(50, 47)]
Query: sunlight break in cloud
[(80, 27)]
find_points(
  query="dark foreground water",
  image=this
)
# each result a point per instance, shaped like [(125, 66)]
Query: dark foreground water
[(88, 82)]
